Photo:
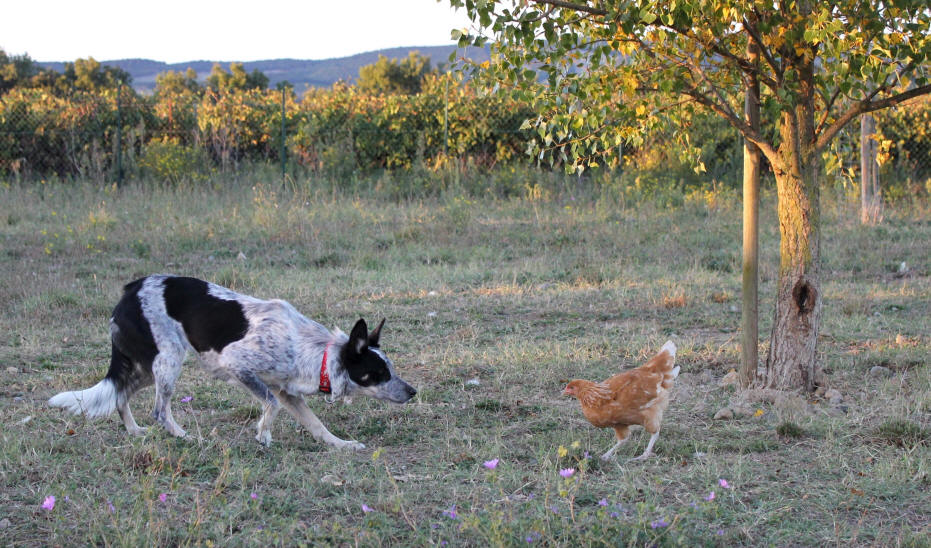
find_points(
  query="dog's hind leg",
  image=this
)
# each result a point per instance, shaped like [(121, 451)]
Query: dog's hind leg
[(166, 368), (128, 420), (270, 405), (298, 407)]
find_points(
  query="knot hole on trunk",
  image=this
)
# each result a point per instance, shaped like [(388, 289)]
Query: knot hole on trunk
[(804, 296)]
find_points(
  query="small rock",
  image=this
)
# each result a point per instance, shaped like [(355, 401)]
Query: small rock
[(431, 314), (432, 293), (833, 396), (12, 370), (903, 268), (241, 256), (724, 415), (25, 419), (4, 523), (730, 378), (473, 382), (733, 308), (880, 371)]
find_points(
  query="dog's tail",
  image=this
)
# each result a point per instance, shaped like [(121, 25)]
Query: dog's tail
[(97, 401), (104, 397)]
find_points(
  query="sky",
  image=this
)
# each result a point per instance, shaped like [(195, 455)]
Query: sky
[(233, 30)]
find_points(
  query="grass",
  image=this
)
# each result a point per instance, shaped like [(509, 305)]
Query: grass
[(517, 294)]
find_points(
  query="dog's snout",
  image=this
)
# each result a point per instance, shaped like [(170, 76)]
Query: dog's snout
[(411, 391)]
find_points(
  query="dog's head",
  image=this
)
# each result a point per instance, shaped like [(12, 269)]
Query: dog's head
[(369, 369)]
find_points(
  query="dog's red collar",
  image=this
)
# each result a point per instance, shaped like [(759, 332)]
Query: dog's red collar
[(324, 376)]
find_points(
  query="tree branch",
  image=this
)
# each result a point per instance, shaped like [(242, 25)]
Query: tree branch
[(572, 6), (739, 124), (764, 51), (865, 106)]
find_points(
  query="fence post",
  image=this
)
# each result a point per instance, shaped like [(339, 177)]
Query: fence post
[(870, 193), (281, 152), (446, 120), (119, 135)]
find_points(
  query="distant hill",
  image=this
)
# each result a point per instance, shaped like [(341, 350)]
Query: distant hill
[(301, 73)]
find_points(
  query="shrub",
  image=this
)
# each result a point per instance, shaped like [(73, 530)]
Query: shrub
[(172, 162)]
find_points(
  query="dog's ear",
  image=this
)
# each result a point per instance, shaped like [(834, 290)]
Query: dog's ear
[(374, 335), (359, 337)]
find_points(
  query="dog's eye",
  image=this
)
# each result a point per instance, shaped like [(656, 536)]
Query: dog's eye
[(365, 378)]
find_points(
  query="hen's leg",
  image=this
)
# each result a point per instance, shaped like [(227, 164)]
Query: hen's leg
[(649, 450), (622, 433)]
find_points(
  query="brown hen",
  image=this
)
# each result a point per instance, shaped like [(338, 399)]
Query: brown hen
[(635, 397)]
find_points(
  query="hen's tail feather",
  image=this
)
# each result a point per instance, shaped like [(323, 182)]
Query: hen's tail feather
[(670, 347)]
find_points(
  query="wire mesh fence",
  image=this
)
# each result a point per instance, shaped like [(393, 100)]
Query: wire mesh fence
[(118, 135)]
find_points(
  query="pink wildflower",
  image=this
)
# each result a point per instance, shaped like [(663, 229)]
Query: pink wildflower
[(49, 503)]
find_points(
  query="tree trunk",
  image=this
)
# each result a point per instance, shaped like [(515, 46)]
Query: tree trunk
[(791, 362), (870, 194)]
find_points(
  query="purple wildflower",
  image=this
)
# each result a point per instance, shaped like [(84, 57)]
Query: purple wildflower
[(491, 464), (49, 503), (723, 483), (554, 509), (163, 497), (710, 496), (720, 532), (567, 472), (186, 399), (253, 495), (603, 502), (658, 524), (586, 455), (614, 515), (366, 509), (110, 507), (451, 513)]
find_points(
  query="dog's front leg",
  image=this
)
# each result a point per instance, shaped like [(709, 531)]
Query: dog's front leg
[(270, 406), (298, 407)]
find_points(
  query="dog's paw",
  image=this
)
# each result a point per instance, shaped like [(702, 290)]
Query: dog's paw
[(265, 438), (137, 431), (352, 445)]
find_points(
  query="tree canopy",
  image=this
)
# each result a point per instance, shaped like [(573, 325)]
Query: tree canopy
[(236, 79), (614, 68), (394, 76)]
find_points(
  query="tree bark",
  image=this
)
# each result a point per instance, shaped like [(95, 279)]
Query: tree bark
[(792, 362)]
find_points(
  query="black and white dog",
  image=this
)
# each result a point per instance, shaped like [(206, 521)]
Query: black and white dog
[(268, 347)]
